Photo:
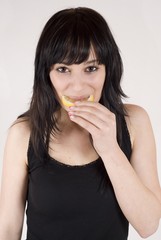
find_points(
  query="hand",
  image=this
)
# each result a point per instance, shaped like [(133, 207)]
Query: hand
[(99, 122)]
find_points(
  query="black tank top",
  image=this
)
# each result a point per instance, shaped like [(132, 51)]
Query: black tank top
[(67, 202)]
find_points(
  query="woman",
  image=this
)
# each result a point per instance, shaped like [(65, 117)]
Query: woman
[(84, 162)]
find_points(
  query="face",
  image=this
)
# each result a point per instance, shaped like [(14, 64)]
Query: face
[(78, 81)]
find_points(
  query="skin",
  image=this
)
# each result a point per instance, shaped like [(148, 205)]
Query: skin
[(135, 184), (78, 81)]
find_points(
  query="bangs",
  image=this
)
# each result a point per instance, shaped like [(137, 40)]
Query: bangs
[(73, 42), (74, 49)]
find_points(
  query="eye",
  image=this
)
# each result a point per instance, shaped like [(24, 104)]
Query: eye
[(91, 69), (62, 69)]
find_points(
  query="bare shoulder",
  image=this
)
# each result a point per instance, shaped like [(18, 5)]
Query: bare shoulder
[(137, 120), (135, 112), (20, 128), (18, 138)]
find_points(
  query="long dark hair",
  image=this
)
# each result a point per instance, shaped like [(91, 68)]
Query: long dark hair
[(68, 37)]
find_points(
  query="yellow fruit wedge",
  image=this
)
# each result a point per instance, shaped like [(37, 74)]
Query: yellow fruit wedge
[(69, 102)]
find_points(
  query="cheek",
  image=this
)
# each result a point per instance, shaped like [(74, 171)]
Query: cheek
[(55, 82), (99, 88), (100, 83)]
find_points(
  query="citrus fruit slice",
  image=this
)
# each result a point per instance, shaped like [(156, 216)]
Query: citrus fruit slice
[(69, 102)]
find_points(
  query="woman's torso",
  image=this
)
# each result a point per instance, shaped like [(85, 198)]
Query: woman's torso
[(69, 202)]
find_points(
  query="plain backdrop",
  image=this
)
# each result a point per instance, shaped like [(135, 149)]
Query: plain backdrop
[(136, 25)]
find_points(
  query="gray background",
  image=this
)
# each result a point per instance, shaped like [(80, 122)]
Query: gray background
[(136, 25)]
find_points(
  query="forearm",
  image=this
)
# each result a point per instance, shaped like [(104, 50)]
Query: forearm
[(9, 234), (138, 203), (10, 229)]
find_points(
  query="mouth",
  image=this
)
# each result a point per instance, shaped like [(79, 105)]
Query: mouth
[(69, 101)]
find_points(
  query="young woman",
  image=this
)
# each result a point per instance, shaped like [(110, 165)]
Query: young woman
[(84, 162)]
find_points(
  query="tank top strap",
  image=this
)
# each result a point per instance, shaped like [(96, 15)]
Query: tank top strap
[(33, 162), (126, 140)]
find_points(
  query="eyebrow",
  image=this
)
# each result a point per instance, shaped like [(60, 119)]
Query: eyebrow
[(92, 61)]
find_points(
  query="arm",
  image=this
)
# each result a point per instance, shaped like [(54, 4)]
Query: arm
[(14, 183), (135, 184)]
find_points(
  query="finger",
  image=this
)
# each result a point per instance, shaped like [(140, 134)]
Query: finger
[(98, 113), (92, 129), (91, 117), (96, 105)]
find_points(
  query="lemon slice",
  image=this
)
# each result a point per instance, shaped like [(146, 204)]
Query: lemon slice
[(69, 102)]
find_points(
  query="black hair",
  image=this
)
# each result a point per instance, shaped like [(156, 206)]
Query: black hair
[(68, 37)]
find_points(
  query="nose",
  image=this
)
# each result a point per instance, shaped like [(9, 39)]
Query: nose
[(77, 83)]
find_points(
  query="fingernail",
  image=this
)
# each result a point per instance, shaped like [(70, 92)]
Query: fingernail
[(70, 113), (72, 108), (71, 116)]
